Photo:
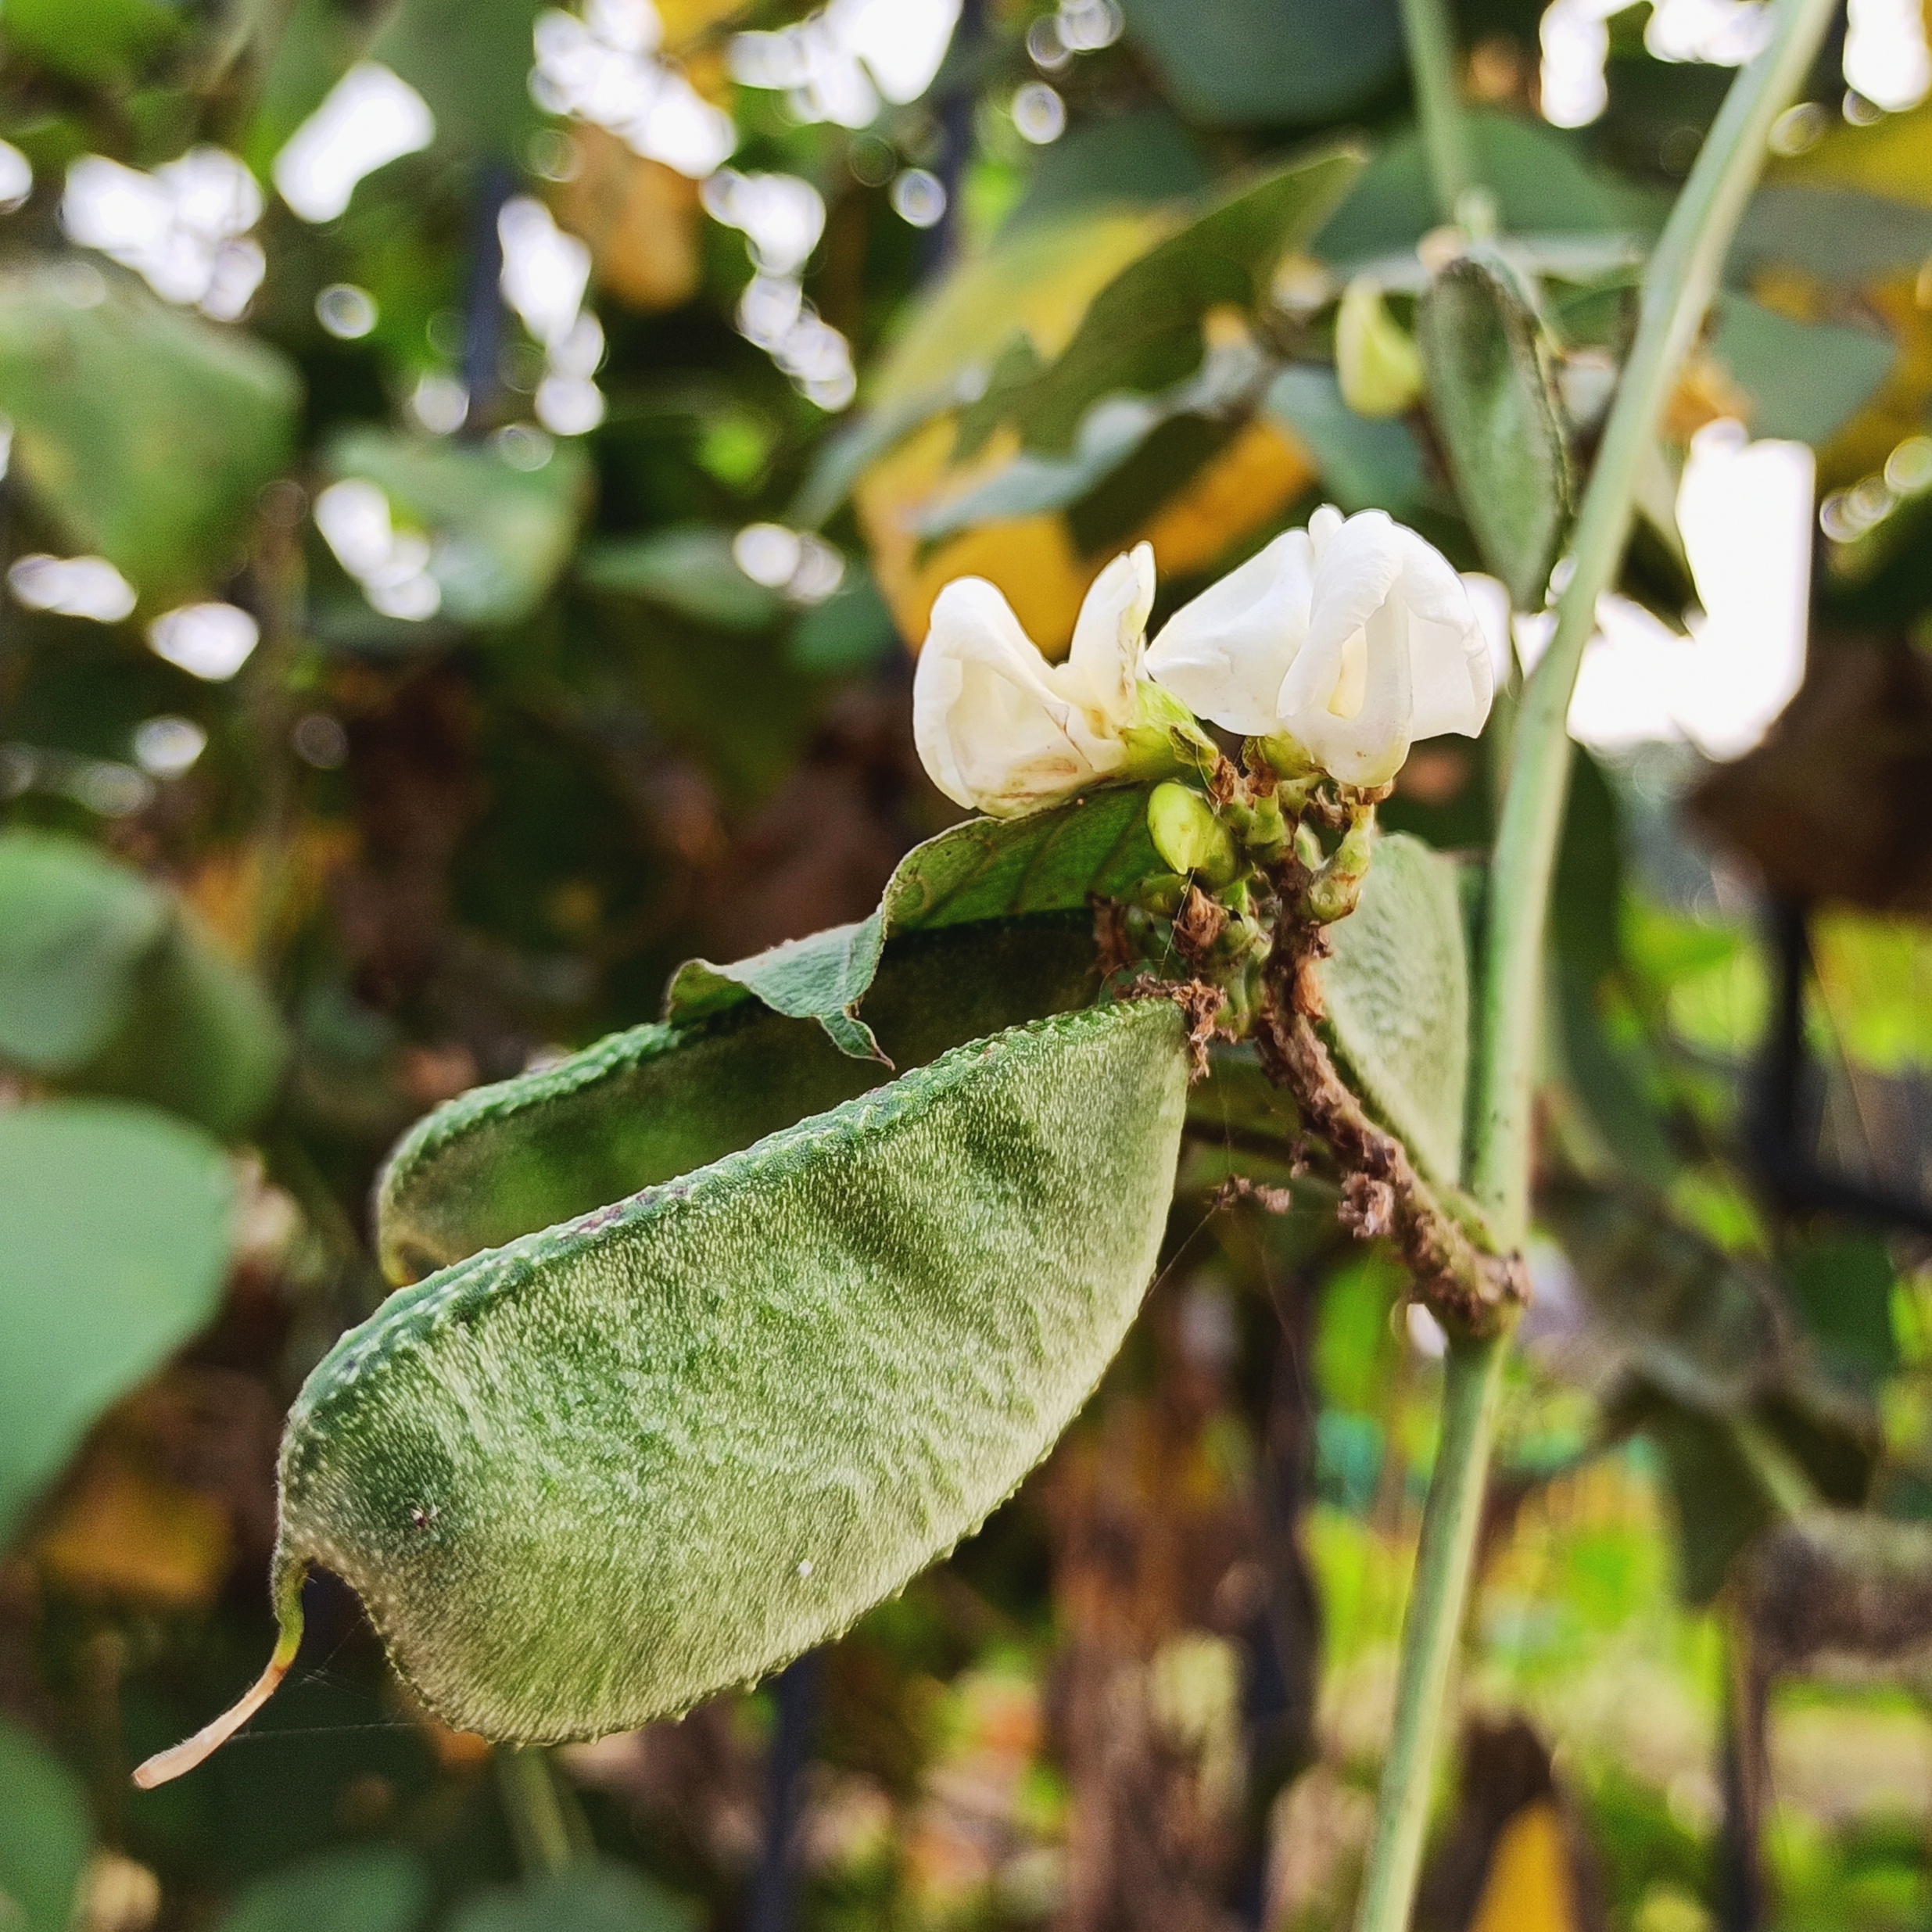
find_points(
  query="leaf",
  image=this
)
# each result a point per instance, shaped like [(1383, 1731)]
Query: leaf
[(144, 434), (108, 984), (90, 41), (45, 1835), (499, 537), (1837, 234), (1116, 431), (114, 1239), (596, 1895), (1541, 183), (985, 869), (470, 59), (687, 568), (1245, 64), (1807, 380), (1366, 464), (589, 1478), (644, 1106), (375, 1888), (73, 931), (1842, 1285), (1398, 997), (1141, 332), (851, 631), (1495, 406)]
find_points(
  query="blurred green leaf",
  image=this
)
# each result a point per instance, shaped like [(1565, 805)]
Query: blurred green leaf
[(73, 932), (45, 1835), (985, 869), (90, 41), (378, 1888), (1842, 1284), (1367, 463), (1835, 233), (1398, 994), (851, 631), (1243, 63), (144, 434), (1142, 333), (1494, 404), (1146, 155), (115, 1228), (687, 568), (1543, 185), (108, 983), (500, 536), (1807, 380), (597, 1896), (470, 59)]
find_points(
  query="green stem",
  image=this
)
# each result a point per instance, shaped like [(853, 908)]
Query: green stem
[(1678, 284), (1442, 1563), (545, 1843), (1438, 103)]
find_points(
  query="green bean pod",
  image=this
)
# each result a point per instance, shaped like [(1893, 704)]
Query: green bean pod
[(590, 1477)]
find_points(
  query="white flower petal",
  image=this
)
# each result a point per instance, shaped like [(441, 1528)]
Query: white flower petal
[(1103, 665), (990, 728), (1225, 654)]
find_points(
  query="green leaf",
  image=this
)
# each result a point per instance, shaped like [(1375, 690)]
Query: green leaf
[(1495, 406), (73, 932), (1398, 996), (378, 1888), (499, 537), (46, 1835), (90, 41), (598, 1895), (1367, 463), (470, 59), (108, 984), (1807, 380), (851, 631), (144, 434), (1142, 331), (589, 1478), (985, 869), (1543, 185), (114, 1238), (645, 1106), (1247, 63), (687, 568)]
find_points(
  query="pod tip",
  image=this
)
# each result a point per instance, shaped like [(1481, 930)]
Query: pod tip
[(165, 1765)]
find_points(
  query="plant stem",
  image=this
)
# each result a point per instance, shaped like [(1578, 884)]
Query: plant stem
[(539, 1823), (1438, 103), (1678, 286)]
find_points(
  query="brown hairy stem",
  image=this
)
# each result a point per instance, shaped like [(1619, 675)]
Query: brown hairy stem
[(1382, 1195)]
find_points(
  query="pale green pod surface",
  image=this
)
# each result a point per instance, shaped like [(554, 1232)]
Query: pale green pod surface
[(648, 1105), (586, 1479), (1495, 405)]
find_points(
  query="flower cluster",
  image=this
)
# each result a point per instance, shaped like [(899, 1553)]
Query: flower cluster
[(1336, 646)]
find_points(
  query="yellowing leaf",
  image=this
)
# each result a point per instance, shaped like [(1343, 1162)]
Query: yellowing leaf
[(130, 1533), (1528, 1888), (639, 217)]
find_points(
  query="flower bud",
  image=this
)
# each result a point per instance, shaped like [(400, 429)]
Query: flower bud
[(1376, 359), (1188, 835)]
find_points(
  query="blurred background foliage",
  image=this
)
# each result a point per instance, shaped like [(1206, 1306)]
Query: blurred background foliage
[(474, 473)]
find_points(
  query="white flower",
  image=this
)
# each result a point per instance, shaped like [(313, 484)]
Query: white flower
[(1353, 637), (1000, 730)]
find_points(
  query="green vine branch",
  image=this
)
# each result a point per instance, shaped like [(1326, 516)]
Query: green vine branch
[(1681, 279)]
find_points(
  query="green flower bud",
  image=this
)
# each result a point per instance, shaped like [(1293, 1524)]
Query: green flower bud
[(1188, 835), (1375, 358)]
